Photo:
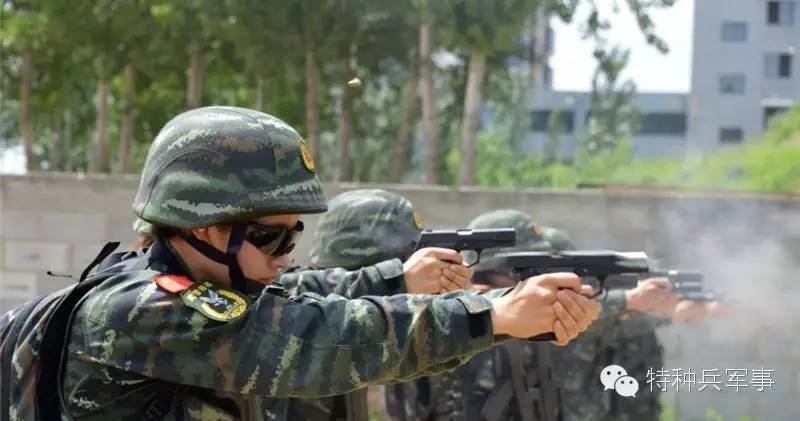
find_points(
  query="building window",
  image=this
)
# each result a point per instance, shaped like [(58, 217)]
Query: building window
[(734, 31), (541, 120), (770, 112), (731, 83), (780, 12), (729, 135), (778, 65), (664, 124)]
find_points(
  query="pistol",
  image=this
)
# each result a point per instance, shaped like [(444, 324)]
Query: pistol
[(589, 265), (471, 240), (686, 285)]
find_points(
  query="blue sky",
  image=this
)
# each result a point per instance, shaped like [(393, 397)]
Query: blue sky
[(573, 63)]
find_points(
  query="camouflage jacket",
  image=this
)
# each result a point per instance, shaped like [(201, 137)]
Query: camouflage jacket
[(578, 364), (553, 380), (131, 337)]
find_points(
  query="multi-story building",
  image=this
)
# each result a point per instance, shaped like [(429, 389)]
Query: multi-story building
[(744, 68), (661, 130), (744, 72)]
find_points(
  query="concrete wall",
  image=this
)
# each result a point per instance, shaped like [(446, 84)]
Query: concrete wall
[(747, 245)]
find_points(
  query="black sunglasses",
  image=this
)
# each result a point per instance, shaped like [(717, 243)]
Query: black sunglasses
[(274, 240)]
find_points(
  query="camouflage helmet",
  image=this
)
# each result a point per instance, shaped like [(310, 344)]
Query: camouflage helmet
[(142, 228), (528, 232), (557, 239), (223, 164), (363, 227), (528, 235)]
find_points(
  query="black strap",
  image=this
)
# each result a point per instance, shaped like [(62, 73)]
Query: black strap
[(158, 408), (53, 348), (7, 354)]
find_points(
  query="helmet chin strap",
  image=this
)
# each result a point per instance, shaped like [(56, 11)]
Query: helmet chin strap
[(228, 258)]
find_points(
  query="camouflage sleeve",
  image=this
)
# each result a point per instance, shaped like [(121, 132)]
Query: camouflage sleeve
[(613, 305), (384, 278), (309, 347)]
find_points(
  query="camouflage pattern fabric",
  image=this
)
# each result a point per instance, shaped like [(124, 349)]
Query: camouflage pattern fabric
[(307, 347), (634, 345), (529, 234), (219, 164), (363, 227), (557, 239), (383, 278), (504, 383), (573, 367)]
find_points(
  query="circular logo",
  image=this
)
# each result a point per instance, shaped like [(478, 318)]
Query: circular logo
[(308, 157), (418, 221)]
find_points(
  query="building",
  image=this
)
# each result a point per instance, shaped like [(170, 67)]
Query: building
[(744, 72), (744, 68), (662, 130)]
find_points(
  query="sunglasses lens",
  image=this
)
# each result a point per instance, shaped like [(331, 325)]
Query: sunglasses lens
[(274, 240)]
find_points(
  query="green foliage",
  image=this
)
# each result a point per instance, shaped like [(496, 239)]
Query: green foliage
[(248, 42)]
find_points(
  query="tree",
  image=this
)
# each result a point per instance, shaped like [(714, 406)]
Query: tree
[(612, 115)]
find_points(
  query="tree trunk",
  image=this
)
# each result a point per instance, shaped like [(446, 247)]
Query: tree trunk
[(56, 143), (26, 125), (428, 94), (471, 118), (126, 138), (68, 164), (401, 142), (194, 76), (342, 172), (98, 161), (259, 105), (312, 97)]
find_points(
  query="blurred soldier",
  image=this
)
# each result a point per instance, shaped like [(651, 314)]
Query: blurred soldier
[(523, 380), (632, 343), (361, 228)]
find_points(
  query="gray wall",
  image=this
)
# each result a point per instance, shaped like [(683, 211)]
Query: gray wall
[(747, 245)]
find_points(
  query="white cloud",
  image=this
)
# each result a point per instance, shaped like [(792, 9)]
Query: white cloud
[(573, 63)]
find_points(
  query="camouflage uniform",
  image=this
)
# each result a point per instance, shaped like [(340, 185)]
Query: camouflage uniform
[(361, 228), (576, 364), (633, 344), (512, 381), (134, 339), (560, 376)]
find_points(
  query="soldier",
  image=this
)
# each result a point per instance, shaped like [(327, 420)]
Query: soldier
[(361, 228), (189, 331), (522, 380), (633, 344)]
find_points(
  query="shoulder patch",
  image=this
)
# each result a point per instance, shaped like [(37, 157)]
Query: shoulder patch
[(215, 302), (173, 283)]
